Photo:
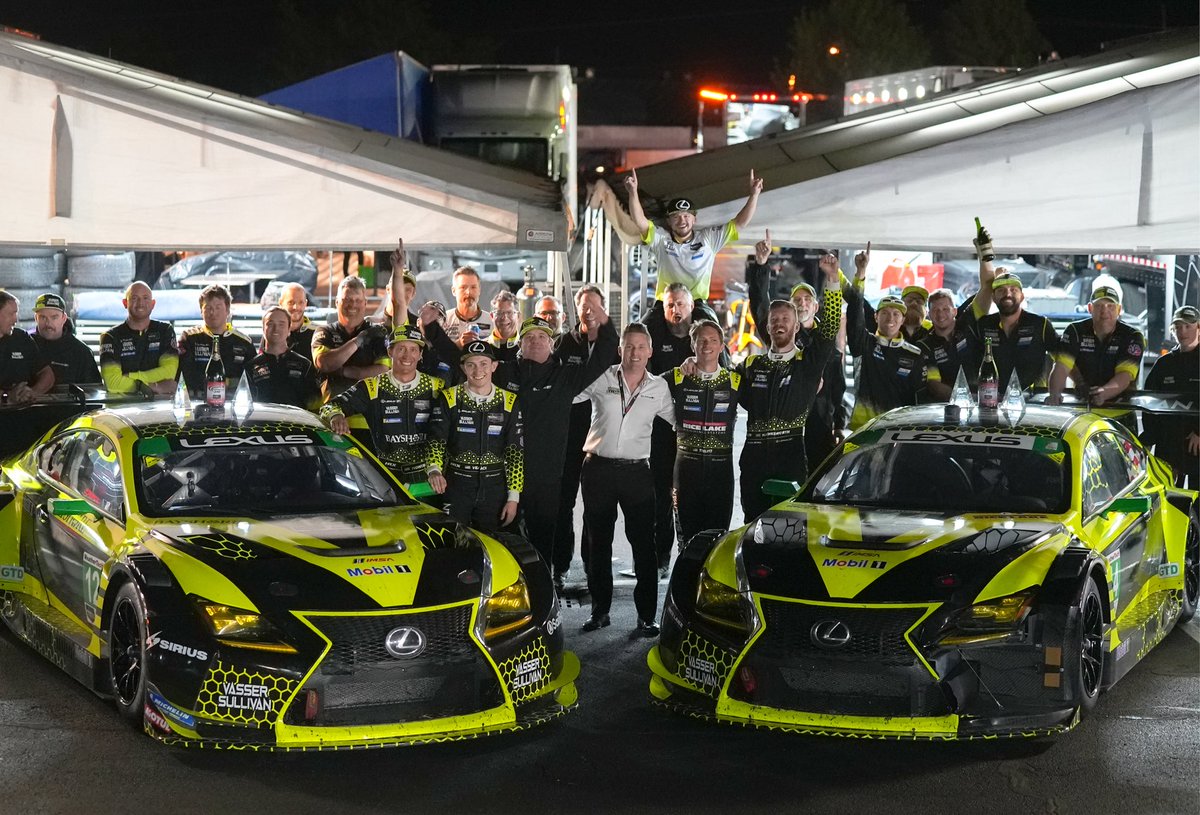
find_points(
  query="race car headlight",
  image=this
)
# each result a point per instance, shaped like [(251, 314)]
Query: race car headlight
[(990, 620), (719, 603), (507, 610), (241, 628)]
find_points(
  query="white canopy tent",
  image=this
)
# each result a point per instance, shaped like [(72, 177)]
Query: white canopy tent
[(98, 155), (1089, 155)]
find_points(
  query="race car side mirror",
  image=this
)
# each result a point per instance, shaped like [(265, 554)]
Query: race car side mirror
[(66, 507), (1133, 504), (780, 488)]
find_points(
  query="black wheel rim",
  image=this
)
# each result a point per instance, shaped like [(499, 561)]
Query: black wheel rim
[(125, 648), (1191, 565), (1091, 646)]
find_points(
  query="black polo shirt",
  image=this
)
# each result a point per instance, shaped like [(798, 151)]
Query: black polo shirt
[(1027, 349), (329, 337), (70, 359), (1098, 361), (20, 359), (286, 379)]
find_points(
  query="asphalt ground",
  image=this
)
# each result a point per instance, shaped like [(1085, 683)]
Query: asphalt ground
[(63, 750)]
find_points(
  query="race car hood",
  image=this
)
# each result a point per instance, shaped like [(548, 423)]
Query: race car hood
[(381, 558), (830, 553)]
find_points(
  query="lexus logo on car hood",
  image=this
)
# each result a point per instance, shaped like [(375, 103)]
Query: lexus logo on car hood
[(405, 642), (830, 634)]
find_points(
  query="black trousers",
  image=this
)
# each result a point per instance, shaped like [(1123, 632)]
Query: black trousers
[(703, 491), (762, 460), (476, 499), (662, 466), (564, 530), (818, 439), (539, 510), (608, 484)]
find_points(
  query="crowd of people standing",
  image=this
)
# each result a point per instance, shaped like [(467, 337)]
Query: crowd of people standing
[(509, 420)]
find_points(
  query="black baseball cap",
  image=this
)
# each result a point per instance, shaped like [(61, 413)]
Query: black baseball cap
[(1186, 314), (50, 300), (535, 324), (407, 333), (680, 205), (478, 348)]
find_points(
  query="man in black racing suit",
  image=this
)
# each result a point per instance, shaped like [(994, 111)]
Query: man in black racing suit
[(398, 406)]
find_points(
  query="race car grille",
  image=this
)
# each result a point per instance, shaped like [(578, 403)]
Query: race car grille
[(360, 682), (360, 641), (865, 667), (876, 636)]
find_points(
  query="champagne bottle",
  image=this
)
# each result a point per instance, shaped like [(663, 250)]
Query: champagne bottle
[(214, 377), (989, 379), (983, 242)]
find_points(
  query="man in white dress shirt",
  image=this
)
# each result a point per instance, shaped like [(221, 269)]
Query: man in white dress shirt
[(616, 472)]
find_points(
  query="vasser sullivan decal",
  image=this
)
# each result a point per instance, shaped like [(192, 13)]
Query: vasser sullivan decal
[(529, 672), (244, 696)]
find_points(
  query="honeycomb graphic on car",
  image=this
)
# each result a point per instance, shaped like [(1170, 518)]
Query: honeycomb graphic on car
[(223, 546), (187, 431), (528, 672), (702, 664), (233, 694)]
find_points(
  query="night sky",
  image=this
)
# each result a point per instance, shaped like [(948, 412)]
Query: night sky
[(629, 45)]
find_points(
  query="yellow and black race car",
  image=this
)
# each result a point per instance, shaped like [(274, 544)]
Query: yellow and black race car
[(267, 584), (937, 579)]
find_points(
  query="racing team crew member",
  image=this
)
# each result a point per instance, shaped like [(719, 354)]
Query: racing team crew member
[(468, 321), (777, 391), (915, 327), (949, 343), (1102, 355), (140, 353), (826, 420), (398, 406), (706, 404), (68, 356), (279, 374), (294, 300), (1021, 340), (616, 473), (546, 387), (24, 372), (671, 345), (476, 440), (892, 371), (506, 319), (575, 347), (685, 254), (351, 349), (1175, 438), (196, 343)]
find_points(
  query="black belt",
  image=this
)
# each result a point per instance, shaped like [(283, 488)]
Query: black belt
[(618, 462)]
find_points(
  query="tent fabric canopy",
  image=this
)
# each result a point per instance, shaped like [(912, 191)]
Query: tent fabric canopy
[(101, 155), (1091, 155)]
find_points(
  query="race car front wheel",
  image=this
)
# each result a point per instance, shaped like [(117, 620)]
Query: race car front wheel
[(1084, 646), (1191, 568), (127, 654)]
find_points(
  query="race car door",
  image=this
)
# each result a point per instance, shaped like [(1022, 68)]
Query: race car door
[(74, 544), (1108, 475)]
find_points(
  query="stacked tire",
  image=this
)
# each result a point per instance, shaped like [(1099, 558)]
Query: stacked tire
[(91, 271), (28, 276)]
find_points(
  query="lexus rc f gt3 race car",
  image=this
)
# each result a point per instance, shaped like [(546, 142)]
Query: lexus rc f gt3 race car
[(937, 579), (268, 584)]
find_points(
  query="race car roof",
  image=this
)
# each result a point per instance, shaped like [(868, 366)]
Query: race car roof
[(160, 414), (1034, 419)]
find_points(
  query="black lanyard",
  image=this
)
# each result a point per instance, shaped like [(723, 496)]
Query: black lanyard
[(627, 406)]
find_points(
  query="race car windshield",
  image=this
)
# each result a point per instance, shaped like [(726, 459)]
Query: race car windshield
[(254, 480), (958, 478)]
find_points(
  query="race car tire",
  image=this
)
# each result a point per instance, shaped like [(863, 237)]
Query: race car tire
[(31, 272), (109, 270), (1191, 568), (127, 654), (1083, 646)]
